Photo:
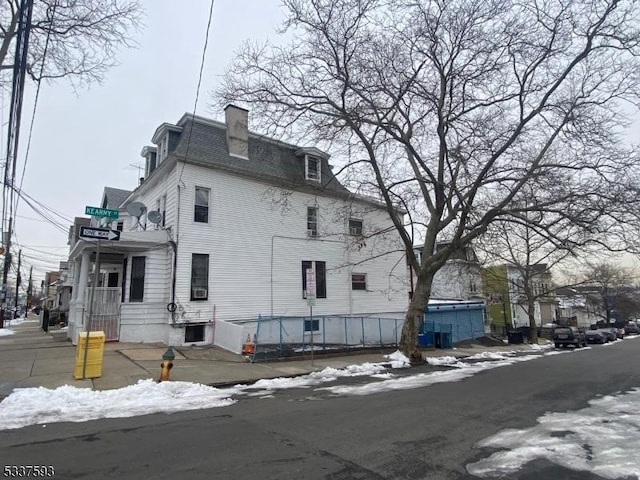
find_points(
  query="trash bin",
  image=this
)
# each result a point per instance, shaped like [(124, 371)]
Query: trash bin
[(45, 320), (445, 340), (515, 337), (425, 339)]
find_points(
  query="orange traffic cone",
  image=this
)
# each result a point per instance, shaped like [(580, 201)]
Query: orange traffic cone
[(248, 347)]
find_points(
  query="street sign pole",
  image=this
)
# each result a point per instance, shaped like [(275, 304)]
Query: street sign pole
[(311, 299), (91, 310)]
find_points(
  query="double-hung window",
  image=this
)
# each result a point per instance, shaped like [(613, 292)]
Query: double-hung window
[(199, 276), (201, 207), (355, 227), (320, 273), (136, 287), (358, 281), (312, 221), (312, 168)]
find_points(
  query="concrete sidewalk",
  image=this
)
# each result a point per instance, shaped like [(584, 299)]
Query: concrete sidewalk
[(32, 358)]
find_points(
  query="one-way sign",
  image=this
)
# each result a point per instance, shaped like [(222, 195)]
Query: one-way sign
[(99, 233)]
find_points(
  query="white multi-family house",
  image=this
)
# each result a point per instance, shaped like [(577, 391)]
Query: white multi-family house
[(224, 227), (459, 279)]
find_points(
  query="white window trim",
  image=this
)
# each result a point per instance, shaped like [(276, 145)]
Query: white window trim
[(306, 169), (361, 227), (193, 219), (312, 232), (365, 282)]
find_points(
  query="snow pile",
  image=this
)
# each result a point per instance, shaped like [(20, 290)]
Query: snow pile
[(459, 372), (5, 332), (328, 374), (71, 404), (446, 360), (398, 360), (490, 356)]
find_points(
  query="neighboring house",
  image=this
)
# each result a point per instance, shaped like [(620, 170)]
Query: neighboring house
[(459, 279), (577, 307), (222, 229), (507, 302), (51, 289)]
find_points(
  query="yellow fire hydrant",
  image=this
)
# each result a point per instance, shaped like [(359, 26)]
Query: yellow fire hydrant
[(167, 364)]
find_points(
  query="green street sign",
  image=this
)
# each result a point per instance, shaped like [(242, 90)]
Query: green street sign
[(101, 212)]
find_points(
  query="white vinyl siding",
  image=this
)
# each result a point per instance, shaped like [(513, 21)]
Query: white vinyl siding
[(256, 250)]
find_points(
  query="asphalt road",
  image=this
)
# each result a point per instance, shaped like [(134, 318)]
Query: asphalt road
[(426, 433)]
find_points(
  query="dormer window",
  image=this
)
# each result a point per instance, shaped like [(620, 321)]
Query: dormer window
[(312, 168), (163, 148)]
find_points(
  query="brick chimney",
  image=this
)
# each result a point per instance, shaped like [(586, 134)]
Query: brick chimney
[(237, 120)]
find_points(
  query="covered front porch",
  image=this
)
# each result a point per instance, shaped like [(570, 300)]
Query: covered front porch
[(126, 295)]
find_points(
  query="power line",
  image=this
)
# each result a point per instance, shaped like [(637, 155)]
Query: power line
[(195, 103), (35, 102)]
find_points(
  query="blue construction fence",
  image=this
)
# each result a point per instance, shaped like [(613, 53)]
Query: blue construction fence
[(447, 323), (290, 336)]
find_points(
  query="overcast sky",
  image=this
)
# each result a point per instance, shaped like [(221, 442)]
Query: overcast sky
[(86, 141), (82, 143)]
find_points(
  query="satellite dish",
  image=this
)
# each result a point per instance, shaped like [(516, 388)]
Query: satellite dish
[(154, 216), (136, 209)]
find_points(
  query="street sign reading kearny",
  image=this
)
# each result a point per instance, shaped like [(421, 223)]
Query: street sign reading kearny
[(99, 233), (101, 212)]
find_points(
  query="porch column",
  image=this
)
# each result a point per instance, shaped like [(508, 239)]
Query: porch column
[(82, 286), (76, 279)]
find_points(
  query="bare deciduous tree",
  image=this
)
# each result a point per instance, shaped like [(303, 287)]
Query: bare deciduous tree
[(534, 241), (76, 40), (610, 283), (448, 109)]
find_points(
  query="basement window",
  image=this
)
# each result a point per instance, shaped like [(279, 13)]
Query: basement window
[(194, 333)]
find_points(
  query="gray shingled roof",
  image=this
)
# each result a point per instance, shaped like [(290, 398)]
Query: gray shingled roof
[(269, 160), (113, 197)]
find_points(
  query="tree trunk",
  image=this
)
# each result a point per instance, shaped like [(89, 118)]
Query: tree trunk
[(8, 38), (414, 317), (533, 328)]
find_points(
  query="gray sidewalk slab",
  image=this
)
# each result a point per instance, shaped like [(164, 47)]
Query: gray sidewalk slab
[(32, 358)]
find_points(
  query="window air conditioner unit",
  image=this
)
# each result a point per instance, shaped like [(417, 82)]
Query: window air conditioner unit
[(199, 293), (312, 233)]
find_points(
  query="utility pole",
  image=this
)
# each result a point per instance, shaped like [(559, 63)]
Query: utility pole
[(13, 133), (18, 282), (5, 272), (30, 288)]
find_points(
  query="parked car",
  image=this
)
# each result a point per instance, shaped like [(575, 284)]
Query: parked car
[(563, 336), (618, 333), (596, 336), (631, 328), (610, 334)]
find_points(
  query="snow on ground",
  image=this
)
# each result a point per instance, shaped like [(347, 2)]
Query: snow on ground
[(459, 371), (29, 406), (19, 321), (444, 360), (598, 439), (4, 332), (491, 355), (398, 359)]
